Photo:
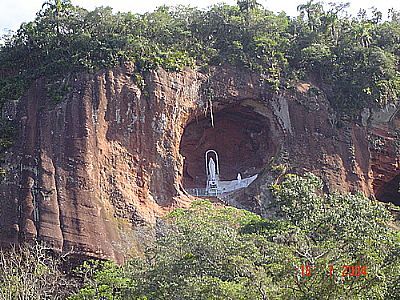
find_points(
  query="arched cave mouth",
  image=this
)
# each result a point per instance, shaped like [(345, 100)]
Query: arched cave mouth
[(242, 138), (389, 191)]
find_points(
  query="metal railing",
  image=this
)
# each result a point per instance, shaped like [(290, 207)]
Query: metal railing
[(198, 192), (202, 192)]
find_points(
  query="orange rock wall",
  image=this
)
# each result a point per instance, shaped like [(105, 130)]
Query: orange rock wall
[(94, 173)]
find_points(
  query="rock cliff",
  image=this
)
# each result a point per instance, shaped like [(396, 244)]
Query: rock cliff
[(94, 173)]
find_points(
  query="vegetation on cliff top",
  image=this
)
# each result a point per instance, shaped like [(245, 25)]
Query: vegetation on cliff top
[(210, 252), (354, 59)]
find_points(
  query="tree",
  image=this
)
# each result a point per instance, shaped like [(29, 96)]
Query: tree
[(56, 7), (214, 252), (340, 230), (64, 40), (103, 280), (247, 5), (313, 12), (363, 34), (32, 272), (331, 20)]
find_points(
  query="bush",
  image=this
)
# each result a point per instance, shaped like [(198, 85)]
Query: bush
[(212, 252), (32, 272)]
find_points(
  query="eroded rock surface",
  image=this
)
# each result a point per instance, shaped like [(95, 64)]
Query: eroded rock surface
[(95, 172)]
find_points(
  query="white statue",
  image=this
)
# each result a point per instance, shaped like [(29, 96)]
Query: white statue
[(211, 169), (239, 178)]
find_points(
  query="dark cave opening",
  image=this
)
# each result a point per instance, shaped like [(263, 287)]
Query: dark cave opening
[(390, 191), (241, 137)]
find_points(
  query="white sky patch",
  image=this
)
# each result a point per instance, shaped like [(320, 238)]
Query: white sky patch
[(14, 12)]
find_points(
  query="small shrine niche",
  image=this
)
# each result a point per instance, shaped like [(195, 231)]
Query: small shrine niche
[(215, 187), (228, 156), (212, 171)]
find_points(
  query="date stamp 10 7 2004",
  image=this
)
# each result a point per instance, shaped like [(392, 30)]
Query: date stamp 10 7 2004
[(347, 271)]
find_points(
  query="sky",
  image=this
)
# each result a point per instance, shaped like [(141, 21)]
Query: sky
[(14, 12)]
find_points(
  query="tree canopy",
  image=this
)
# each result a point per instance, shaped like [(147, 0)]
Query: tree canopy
[(315, 246), (355, 58), (211, 252)]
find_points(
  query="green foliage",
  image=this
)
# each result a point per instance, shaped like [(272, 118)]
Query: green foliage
[(356, 58), (340, 230), (7, 132), (211, 252), (103, 280), (57, 89), (12, 88), (202, 255), (31, 272)]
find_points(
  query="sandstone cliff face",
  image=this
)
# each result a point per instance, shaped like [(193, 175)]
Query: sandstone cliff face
[(95, 172)]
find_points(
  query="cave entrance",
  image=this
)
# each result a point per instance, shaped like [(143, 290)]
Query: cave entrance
[(241, 137), (390, 191)]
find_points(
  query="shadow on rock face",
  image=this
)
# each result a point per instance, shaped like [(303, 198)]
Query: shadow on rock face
[(241, 137), (390, 191)]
